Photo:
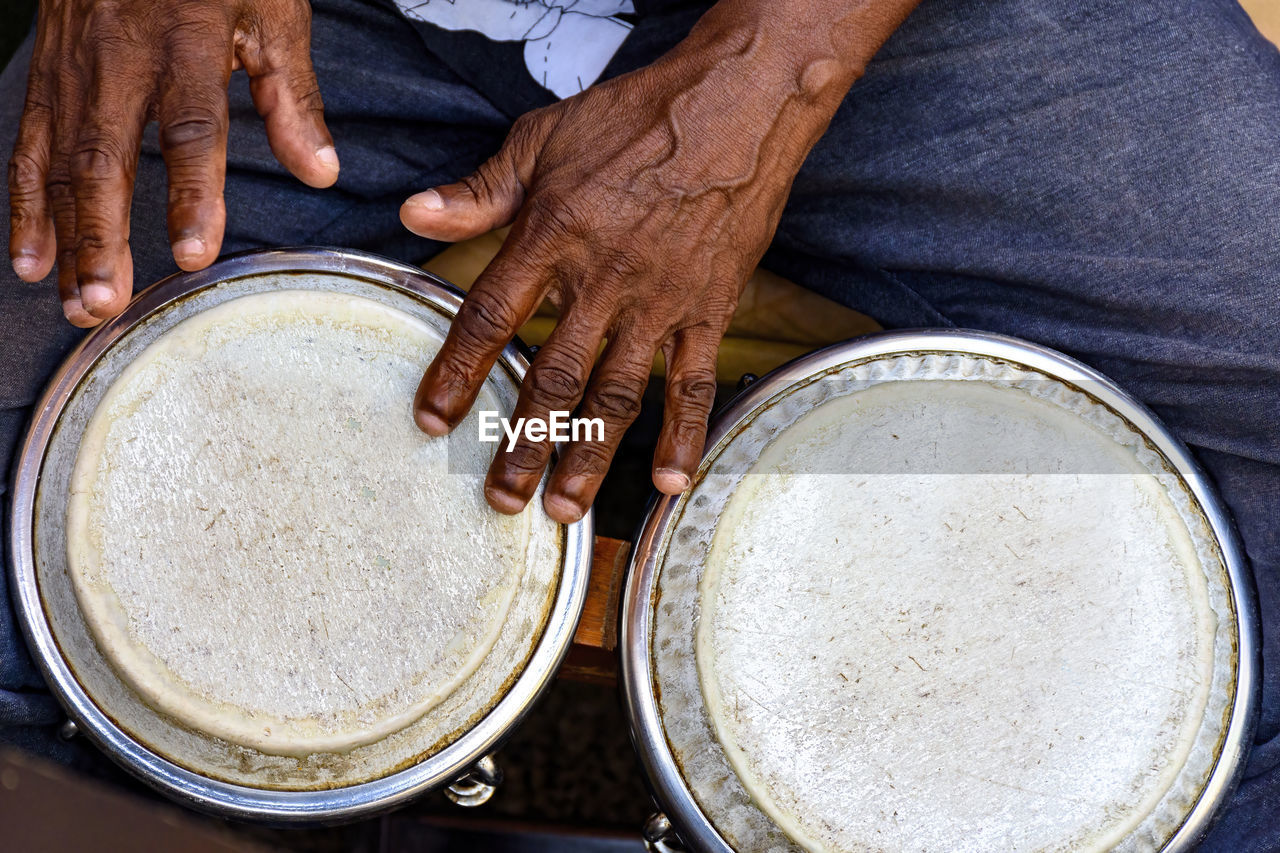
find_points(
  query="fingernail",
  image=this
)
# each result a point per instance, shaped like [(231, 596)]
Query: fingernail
[(503, 501), (670, 481), (429, 199), (73, 310), (328, 156), (562, 509), (95, 297), (431, 423), (26, 266), (188, 250)]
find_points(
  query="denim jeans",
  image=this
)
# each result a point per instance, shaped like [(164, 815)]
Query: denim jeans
[(1098, 176)]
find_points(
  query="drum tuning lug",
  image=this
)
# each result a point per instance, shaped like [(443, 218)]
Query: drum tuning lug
[(746, 379), (533, 349), (658, 835), (68, 729), (477, 785)]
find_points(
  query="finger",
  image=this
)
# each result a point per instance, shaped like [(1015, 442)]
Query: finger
[(613, 399), (487, 199), (193, 140), (32, 245), (62, 205), (502, 299), (102, 167), (287, 96), (554, 383), (691, 392)]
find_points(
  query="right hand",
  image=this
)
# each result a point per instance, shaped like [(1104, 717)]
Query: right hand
[(101, 70)]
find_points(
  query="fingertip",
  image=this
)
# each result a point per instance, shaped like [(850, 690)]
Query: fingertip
[(328, 157), (503, 501), (430, 422), (318, 169), (671, 481), (418, 213), (430, 200), (191, 254), (31, 268), (102, 301), (562, 509), (328, 167), (74, 311)]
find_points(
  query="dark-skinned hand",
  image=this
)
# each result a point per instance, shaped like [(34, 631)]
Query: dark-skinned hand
[(101, 70), (639, 207)]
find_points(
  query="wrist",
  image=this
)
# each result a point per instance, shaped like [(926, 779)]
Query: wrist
[(780, 66)]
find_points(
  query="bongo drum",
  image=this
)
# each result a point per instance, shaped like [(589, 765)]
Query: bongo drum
[(247, 574), (939, 591)]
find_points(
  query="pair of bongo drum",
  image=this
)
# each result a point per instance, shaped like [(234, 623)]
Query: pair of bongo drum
[(929, 590)]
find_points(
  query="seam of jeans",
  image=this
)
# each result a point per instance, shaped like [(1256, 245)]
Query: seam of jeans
[(915, 294)]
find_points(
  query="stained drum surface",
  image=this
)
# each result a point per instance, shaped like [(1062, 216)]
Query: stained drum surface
[(970, 613), (268, 551)]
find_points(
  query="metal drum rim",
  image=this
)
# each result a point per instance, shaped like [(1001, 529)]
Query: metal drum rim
[(226, 799), (663, 775)]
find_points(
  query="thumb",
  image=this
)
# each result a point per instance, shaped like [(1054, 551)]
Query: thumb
[(488, 198)]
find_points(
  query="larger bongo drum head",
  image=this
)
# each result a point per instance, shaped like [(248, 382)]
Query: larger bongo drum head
[(253, 561), (942, 602)]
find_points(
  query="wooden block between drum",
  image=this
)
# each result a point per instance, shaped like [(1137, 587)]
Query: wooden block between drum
[(593, 657)]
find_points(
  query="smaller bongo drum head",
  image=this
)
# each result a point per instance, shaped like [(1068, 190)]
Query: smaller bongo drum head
[(942, 601), (267, 574)]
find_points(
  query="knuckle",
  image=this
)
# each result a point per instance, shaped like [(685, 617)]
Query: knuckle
[(687, 430), (187, 191), (615, 400), (26, 176), (36, 112), (486, 318), (481, 183), (454, 380), (91, 237), (696, 389), (306, 90), (191, 130), (590, 458), (94, 161), (526, 458), (553, 383)]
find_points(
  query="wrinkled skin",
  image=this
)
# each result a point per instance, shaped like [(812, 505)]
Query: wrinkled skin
[(640, 206), (101, 70)]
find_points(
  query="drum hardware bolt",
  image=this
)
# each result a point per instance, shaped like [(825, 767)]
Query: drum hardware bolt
[(746, 379), (68, 729), (533, 349), (478, 785), (658, 835)]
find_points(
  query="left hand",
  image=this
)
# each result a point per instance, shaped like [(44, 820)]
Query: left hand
[(639, 207)]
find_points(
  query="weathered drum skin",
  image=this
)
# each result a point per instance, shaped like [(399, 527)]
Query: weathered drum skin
[(261, 774), (691, 741)]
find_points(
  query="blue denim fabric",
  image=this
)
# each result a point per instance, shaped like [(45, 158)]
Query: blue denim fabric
[(1099, 176)]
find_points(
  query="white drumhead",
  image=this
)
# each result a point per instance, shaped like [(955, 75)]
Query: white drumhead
[(301, 587), (967, 612)]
